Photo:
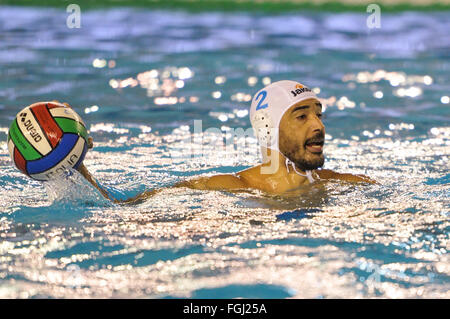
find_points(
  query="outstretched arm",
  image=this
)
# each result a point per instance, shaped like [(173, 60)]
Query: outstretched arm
[(359, 178), (217, 182), (84, 171)]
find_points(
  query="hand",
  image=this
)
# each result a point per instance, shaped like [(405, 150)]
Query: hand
[(65, 103), (90, 142)]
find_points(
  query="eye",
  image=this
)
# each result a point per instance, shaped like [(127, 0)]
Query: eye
[(301, 117), (319, 116)]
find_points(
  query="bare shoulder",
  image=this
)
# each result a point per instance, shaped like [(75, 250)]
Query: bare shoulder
[(248, 178), (250, 175), (216, 182), (225, 181), (254, 178)]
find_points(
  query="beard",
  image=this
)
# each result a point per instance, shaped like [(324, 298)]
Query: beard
[(308, 164), (305, 161)]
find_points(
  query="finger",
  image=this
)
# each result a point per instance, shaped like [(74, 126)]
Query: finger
[(90, 142)]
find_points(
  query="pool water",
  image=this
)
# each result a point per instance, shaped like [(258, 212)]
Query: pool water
[(140, 79)]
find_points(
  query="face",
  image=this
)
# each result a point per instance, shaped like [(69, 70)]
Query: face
[(302, 134)]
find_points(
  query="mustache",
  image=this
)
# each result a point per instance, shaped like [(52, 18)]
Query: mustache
[(318, 138)]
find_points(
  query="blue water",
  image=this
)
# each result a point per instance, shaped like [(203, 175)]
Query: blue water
[(140, 79)]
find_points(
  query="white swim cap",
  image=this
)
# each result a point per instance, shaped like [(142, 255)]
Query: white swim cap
[(268, 106)]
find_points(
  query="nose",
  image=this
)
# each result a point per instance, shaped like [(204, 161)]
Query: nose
[(316, 125)]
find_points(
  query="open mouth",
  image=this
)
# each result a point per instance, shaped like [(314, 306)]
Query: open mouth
[(315, 145)]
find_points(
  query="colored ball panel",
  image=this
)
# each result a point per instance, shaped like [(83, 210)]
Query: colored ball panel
[(72, 159), (25, 148), (71, 126), (64, 147), (47, 123), (83, 154), (67, 113), (20, 161), (33, 132)]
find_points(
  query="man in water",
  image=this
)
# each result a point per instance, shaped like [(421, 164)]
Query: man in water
[(287, 119)]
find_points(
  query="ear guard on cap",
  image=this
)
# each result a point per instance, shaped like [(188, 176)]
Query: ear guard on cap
[(265, 132)]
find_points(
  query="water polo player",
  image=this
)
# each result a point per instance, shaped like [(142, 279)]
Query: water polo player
[(287, 119)]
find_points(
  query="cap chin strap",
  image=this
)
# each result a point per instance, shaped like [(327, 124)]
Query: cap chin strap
[(308, 174)]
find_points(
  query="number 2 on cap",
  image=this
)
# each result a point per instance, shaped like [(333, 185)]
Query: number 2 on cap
[(264, 95)]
